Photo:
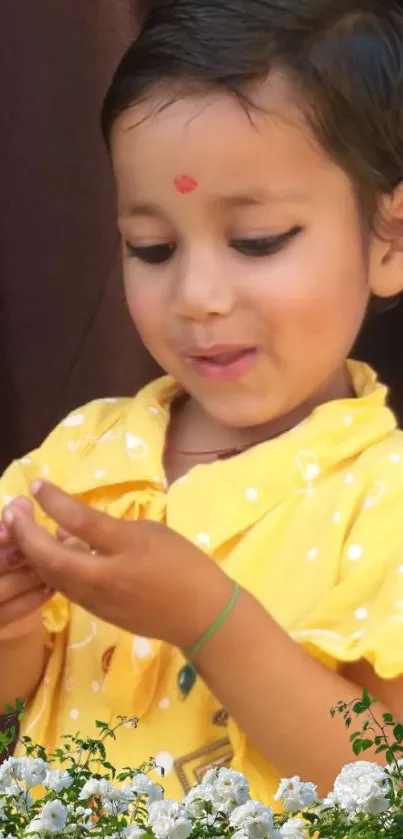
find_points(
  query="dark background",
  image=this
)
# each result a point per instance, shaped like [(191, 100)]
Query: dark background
[(65, 336)]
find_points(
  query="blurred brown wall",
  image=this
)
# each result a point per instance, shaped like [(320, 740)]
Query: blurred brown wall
[(65, 336)]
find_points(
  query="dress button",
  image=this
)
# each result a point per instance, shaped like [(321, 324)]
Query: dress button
[(186, 680), (221, 718)]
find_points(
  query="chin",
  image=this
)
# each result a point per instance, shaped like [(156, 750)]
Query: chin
[(237, 414)]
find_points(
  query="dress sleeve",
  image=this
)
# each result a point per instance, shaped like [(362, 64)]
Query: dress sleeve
[(362, 615)]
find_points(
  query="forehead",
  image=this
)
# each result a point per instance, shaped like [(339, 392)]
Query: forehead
[(211, 137)]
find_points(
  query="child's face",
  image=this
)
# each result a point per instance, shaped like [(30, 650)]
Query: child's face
[(279, 317)]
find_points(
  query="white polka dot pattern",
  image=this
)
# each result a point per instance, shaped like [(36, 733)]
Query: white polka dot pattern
[(203, 540), (74, 421), (142, 647), (355, 552), (252, 494), (135, 447)]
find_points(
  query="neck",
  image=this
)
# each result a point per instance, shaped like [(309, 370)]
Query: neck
[(193, 430)]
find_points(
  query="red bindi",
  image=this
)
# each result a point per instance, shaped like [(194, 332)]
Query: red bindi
[(185, 184)]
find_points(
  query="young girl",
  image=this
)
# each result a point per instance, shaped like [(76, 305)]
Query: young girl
[(243, 513)]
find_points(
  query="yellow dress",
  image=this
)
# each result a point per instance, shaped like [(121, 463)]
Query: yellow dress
[(310, 523)]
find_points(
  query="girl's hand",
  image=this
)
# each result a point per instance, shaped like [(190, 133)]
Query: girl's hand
[(141, 576), (22, 592)]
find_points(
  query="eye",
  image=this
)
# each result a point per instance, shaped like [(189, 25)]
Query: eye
[(264, 245), (151, 254)]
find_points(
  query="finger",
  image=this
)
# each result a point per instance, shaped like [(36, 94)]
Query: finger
[(16, 583), (10, 558), (72, 542), (65, 570), (97, 529), (27, 603), (25, 506)]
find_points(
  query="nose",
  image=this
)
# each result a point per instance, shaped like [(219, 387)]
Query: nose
[(202, 287)]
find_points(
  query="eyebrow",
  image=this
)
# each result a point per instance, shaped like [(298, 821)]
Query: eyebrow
[(224, 201), (142, 209), (259, 198)]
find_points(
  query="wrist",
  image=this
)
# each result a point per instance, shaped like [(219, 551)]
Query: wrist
[(193, 651), (205, 608)]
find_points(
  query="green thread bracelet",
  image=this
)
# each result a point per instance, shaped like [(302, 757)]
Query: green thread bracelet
[(191, 652)]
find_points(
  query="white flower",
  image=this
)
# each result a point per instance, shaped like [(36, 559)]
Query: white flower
[(35, 827), (196, 801), (168, 820), (114, 800), (52, 819), (296, 795), (84, 815), (134, 833), (33, 771), (90, 788), (9, 772), (21, 797), (361, 787), (293, 829), (80, 811), (226, 789), (57, 780), (254, 820), (142, 785), (115, 806)]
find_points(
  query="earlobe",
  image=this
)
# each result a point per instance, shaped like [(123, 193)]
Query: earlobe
[(386, 264)]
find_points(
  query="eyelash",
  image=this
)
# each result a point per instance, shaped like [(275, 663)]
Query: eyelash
[(265, 245), (151, 254), (251, 248)]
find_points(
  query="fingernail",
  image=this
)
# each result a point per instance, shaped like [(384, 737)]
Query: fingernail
[(14, 559), (48, 592), (3, 529), (62, 535), (8, 517), (36, 487)]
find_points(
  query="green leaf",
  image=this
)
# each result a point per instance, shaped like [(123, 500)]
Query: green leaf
[(366, 699), (398, 732), (359, 707), (366, 744)]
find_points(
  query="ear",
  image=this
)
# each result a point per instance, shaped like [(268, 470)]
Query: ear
[(386, 258)]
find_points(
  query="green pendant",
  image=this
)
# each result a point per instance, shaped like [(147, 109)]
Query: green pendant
[(186, 679)]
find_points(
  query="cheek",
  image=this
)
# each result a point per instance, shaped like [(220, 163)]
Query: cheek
[(146, 308), (314, 291)]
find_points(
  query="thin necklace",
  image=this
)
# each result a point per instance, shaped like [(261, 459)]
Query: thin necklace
[(221, 454)]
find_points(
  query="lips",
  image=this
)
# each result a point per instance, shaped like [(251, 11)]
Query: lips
[(224, 357), (223, 363)]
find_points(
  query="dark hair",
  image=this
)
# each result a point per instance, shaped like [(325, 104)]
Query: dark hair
[(345, 58)]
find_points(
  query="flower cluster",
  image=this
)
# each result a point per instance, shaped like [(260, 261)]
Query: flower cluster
[(75, 792)]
